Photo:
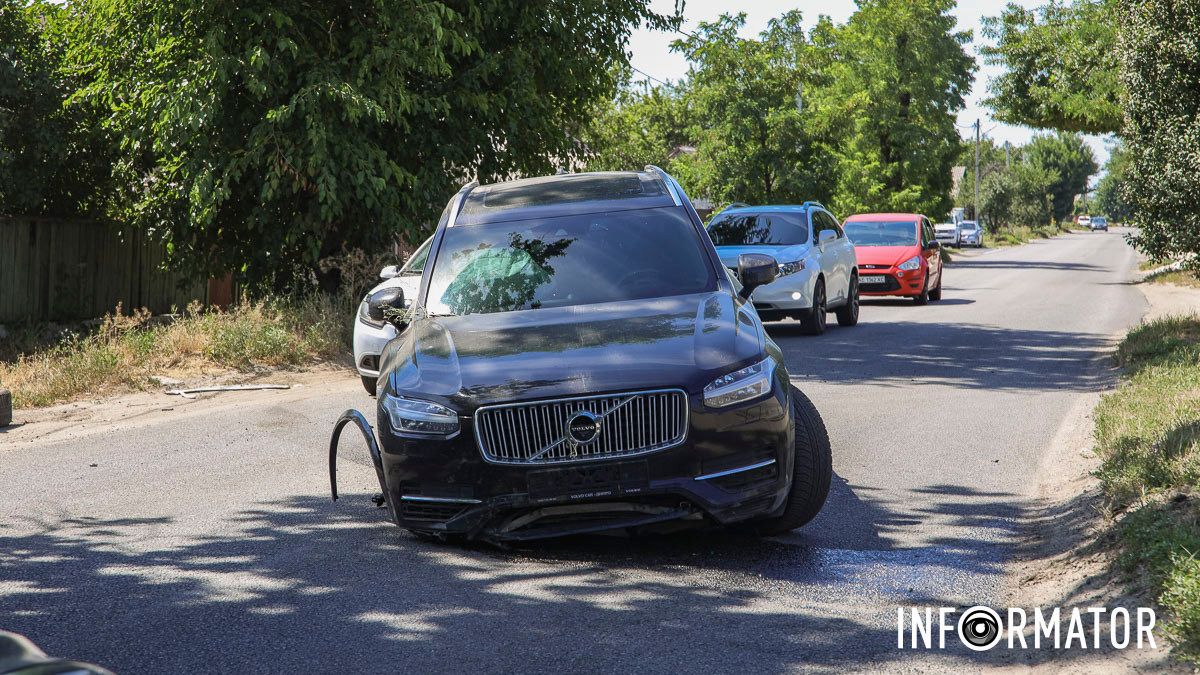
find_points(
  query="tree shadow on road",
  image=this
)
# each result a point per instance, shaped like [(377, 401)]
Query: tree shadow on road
[(303, 585)]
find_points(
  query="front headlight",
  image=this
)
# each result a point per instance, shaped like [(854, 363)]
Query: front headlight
[(911, 264), (786, 268), (740, 386), (410, 416)]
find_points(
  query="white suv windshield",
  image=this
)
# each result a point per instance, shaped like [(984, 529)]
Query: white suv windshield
[(569, 260)]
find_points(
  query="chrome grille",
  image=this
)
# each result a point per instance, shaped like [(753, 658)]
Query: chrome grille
[(632, 423)]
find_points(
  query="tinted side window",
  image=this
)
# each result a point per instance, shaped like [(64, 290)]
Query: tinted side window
[(749, 229)]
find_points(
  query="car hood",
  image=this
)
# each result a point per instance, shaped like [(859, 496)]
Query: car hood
[(729, 254), (885, 255), (473, 360)]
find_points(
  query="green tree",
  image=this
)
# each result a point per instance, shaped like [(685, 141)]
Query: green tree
[(1161, 75), (1110, 191), (263, 135), (1070, 159), (636, 129), (1060, 64), (48, 155), (745, 102), (898, 80)]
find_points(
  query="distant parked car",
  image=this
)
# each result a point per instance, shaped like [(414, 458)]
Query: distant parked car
[(947, 234), (817, 267), (898, 254), (1084, 221), (970, 233), (1099, 223), (372, 330)]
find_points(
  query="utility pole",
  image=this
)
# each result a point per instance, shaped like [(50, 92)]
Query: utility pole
[(1007, 156), (977, 135)]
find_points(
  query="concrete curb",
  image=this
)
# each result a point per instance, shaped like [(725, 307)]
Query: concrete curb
[(5, 407)]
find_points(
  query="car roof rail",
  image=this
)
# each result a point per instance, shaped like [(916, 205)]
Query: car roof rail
[(673, 187), (736, 205), (809, 205)]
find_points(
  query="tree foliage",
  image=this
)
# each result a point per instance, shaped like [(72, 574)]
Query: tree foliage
[(1060, 64), (48, 155), (263, 135), (745, 101), (899, 78), (1161, 76), (1070, 160), (1110, 191)]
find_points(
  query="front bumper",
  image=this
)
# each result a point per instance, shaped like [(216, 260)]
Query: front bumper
[(369, 342), (905, 283), (787, 295), (734, 464)]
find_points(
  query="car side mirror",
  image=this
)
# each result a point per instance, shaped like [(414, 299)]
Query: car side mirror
[(826, 236), (933, 245), (754, 270), (389, 272), (387, 305)]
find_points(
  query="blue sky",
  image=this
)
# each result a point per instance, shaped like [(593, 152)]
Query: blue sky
[(652, 54)]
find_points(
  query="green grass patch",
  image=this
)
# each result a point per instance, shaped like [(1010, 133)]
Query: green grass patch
[(1148, 436), (125, 350), (1015, 235)]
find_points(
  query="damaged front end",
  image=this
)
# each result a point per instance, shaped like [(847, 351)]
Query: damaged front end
[(514, 518)]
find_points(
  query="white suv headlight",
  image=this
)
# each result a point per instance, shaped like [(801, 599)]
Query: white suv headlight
[(419, 418), (740, 386), (786, 268), (911, 264)]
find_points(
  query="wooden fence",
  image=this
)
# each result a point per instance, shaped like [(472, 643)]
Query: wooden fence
[(61, 270)]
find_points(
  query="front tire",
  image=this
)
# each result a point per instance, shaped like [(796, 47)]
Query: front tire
[(812, 470), (369, 383), (814, 323), (847, 314), (923, 298)]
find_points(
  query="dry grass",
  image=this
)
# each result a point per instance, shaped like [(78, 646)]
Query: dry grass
[(1176, 277), (127, 349)]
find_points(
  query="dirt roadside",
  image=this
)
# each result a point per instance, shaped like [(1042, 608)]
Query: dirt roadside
[(1067, 550), (79, 419)]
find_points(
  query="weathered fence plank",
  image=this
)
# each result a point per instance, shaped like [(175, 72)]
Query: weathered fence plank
[(63, 269)]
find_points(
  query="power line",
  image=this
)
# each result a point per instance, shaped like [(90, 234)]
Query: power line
[(639, 70)]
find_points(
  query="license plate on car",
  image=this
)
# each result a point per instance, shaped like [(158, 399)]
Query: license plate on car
[(873, 279)]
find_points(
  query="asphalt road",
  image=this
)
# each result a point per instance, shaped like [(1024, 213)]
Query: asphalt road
[(204, 540)]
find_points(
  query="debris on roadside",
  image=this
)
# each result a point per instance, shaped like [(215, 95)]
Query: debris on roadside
[(190, 393)]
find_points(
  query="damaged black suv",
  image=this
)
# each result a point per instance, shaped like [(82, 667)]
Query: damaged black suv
[(577, 359)]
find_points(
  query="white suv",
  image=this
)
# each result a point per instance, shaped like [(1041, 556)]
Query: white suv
[(818, 269), (371, 330)]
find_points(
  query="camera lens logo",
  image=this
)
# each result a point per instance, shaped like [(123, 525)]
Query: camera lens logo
[(979, 628)]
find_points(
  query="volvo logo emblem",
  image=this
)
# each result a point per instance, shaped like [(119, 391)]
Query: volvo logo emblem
[(583, 427)]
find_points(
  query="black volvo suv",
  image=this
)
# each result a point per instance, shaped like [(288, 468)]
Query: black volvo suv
[(578, 359)]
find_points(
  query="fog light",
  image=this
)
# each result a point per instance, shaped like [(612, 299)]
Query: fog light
[(796, 295)]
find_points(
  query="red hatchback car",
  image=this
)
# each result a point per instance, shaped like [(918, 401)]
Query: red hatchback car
[(898, 254)]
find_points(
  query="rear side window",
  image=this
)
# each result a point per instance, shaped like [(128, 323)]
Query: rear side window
[(759, 229)]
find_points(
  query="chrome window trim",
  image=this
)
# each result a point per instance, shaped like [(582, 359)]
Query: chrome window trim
[(487, 457), (439, 500), (730, 472)]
